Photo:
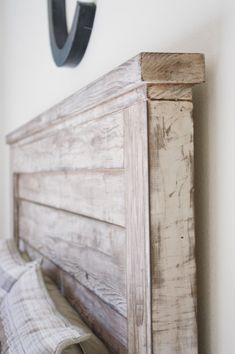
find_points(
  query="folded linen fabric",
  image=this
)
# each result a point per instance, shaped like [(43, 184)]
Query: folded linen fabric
[(12, 266), (73, 349), (36, 319)]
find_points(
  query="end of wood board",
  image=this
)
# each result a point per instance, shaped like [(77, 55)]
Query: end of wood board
[(172, 68)]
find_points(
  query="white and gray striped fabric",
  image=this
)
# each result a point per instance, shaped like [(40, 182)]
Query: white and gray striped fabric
[(12, 266), (36, 319)]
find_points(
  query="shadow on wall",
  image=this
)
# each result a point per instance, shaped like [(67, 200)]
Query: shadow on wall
[(207, 40), (206, 118)]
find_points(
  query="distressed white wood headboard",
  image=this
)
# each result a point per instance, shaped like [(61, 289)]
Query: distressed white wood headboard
[(103, 188)]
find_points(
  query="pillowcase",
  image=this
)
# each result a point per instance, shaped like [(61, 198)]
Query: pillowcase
[(12, 265), (36, 319)]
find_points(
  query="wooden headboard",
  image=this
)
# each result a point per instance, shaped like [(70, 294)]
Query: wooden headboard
[(103, 188)]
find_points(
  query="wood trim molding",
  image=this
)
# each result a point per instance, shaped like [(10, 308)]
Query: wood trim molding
[(158, 68)]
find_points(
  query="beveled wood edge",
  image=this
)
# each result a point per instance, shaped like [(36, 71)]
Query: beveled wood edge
[(153, 68)]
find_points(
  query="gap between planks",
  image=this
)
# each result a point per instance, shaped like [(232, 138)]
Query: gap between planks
[(69, 212)]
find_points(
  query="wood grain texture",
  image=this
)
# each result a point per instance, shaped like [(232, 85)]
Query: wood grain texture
[(104, 190), (170, 92), (173, 68), (137, 230), (91, 251), (160, 68), (172, 228), (106, 323), (115, 84), (72, 145), (97, 194)]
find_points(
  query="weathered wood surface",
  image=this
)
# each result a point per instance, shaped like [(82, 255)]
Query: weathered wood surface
[(161, 68), (170, 92), (104, 189), (91, 251), (98, 194), (66, 111), (137, 229), (172, 228), (106, 323), (172, 68), (15, 219), (73, 145)]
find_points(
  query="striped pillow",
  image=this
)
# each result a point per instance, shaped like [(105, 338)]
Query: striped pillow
[(33, 320), (12, 265)]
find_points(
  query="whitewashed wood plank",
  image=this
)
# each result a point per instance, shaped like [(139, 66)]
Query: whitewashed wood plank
[(71, 145), (93, 252), (98, 194), (106, 323), (116, 83), (137, 230), (172, 228)]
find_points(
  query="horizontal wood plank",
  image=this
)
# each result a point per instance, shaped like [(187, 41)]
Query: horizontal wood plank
[(91, 251), (107, 324), (174, 314), (112, 85), (73, 145), (97, 194)]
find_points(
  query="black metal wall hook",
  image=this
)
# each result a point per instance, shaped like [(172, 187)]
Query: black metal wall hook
[(68, 48)]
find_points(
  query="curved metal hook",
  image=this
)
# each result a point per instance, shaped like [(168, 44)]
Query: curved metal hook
[(68, 49)]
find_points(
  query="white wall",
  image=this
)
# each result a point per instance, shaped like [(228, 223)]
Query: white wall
[(2, 130), (123, 28)]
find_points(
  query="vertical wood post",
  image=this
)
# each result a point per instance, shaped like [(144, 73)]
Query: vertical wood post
[(172, 227), (137, 229), (161, 267)]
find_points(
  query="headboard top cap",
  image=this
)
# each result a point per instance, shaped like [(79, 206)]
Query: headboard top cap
[(144, 68)]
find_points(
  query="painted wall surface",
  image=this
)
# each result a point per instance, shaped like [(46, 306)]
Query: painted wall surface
[(30, 83), (3, 166)]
